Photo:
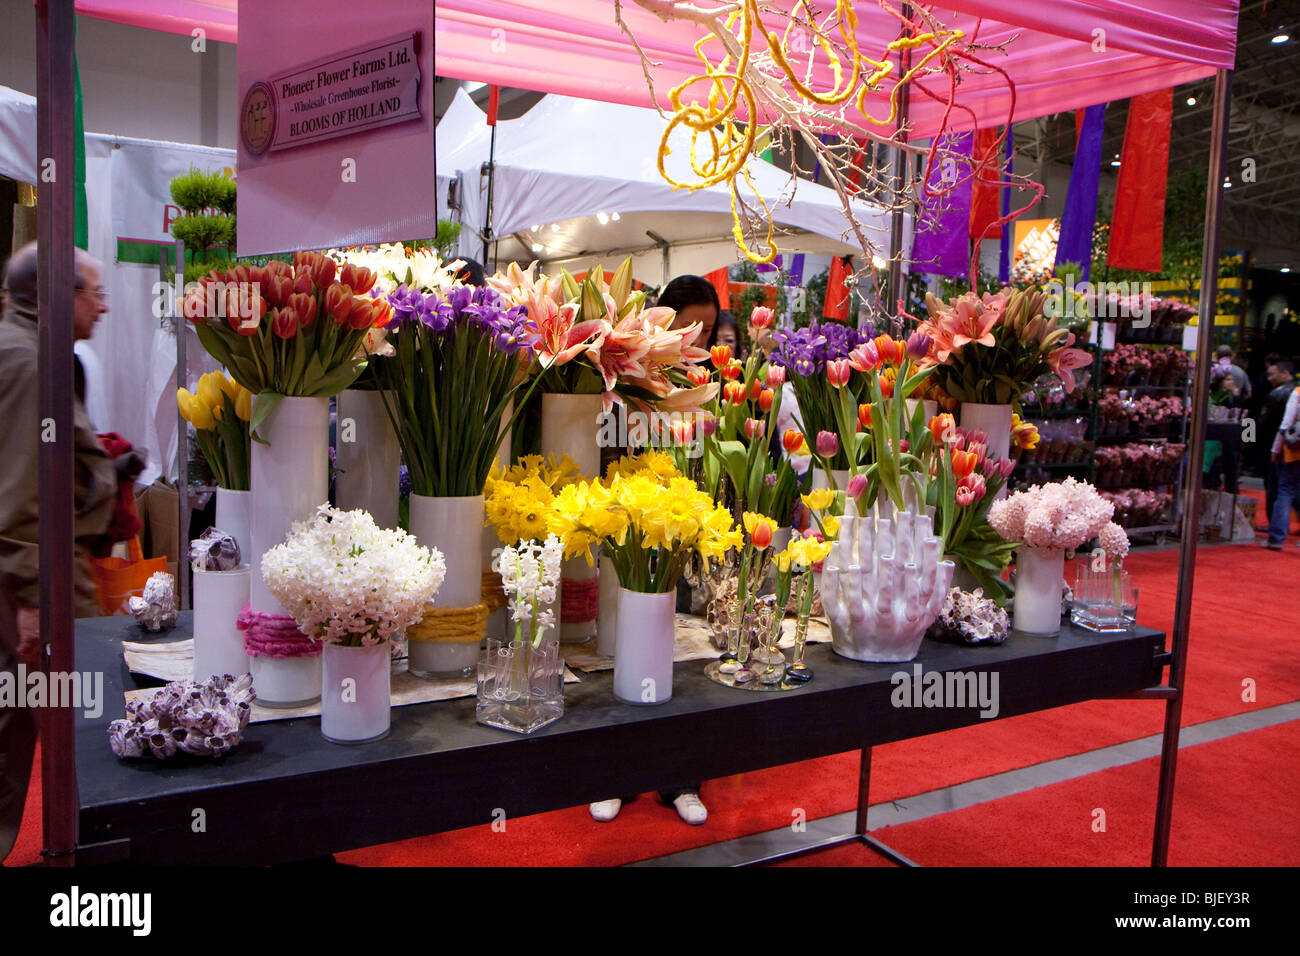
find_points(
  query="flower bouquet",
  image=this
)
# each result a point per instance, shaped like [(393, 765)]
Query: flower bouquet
[(219, 410), (352, 586), (287, 330), (990, 349), (1044, 522)]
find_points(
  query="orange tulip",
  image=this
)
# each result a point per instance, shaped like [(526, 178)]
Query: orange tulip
[(792, 440), (943, 427), (697, 375), (761, 535), (963, 463), (864, 416), (730, 371), (735, 393), (765, 398), (755, 390), (721, 355)]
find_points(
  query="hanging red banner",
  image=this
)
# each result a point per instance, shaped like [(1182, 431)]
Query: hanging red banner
[(984, 195), (836, 305), (719, 278), (1137, 227)]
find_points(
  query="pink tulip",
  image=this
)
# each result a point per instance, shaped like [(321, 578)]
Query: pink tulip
[(838, 372), (761, 317), (865, 357), (775, 376), (974, 483), (828, 444), (857, 485), (754, 428), (964, 497)]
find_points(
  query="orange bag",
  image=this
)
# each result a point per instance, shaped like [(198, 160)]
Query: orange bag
[(118, 579)]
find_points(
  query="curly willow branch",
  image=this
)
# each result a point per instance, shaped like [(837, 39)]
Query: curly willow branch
[(767, 72)]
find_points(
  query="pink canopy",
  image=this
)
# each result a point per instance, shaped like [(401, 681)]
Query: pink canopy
[(215, 17), (1056, 58)]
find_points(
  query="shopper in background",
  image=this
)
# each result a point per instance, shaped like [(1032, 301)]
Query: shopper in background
[(727, 332), (1223, 356), (1286, 454), (95, 495), (695, 300), (1282, 382)]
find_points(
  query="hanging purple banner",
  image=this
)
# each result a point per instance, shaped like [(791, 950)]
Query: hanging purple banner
[(942, 243), (1004, 259), (1080, 215), (795, 275)]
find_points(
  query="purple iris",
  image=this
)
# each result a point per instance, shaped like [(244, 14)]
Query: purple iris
[(802, 351), (840, 340)]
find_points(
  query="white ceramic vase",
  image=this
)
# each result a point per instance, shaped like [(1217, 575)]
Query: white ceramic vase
[(355, 695), (455, 527), (1040, 579), (219, 596), (883, 584), (289, 479), (367, 456), (994, 421), (233, 518), (607, 617), (643, 658)]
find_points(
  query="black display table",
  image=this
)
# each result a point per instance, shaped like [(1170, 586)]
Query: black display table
[(286, 793)]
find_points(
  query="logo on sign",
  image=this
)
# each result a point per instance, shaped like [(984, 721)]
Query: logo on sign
[(257, 118)]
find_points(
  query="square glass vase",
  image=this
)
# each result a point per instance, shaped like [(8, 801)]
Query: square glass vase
[(520, 686)]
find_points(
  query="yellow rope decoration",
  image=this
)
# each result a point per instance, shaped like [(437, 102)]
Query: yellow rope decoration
[(729, 147), (494, 596), (451, 625)]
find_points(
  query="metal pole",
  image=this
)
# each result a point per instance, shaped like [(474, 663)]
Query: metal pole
[(182, 441), (1195, 455), (55, 47), (491, 175), (894, 288)]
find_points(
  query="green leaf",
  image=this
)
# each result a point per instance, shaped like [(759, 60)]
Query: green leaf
[(340, 378), (263, 404)]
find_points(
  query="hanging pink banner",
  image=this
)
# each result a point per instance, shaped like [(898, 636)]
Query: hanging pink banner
[(335, 124)]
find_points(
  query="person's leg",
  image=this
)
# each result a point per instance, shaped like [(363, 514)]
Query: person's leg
[(686, 800), (1270, 490), (17, 737), (1288, 489)]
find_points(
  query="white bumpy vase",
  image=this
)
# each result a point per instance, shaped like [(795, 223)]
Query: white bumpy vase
[(455, 527), (883, 584), (355, 698), (367, 456), (1040, 581), (643, 658), (289, 480)]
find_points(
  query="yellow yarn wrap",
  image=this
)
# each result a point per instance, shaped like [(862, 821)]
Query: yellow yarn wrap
[(494, 596), (451, 625)]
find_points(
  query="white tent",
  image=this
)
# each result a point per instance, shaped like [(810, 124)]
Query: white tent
[(130, 361), (567, 166)]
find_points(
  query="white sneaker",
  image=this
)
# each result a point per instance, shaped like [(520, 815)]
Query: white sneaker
[(690, 809), (606, 810)]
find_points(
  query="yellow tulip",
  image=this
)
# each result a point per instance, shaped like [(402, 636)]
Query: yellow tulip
[(209, 392), (819, 499), (185, 402), (200, 415), (228, 385), (244, 404)]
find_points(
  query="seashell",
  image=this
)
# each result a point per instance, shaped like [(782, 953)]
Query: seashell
[(207, 718)]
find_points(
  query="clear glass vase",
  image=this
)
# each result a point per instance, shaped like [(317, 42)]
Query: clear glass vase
[(1105, 601), (520, 687)]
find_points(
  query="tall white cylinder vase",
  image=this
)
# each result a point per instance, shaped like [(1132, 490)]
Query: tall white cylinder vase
[(233, 518), (356, 693), (643, 659), (366, 456), (840, 476), (994, 421), (455, 527), (219, 596), (1040, 582), (571, 426), (289, 479)]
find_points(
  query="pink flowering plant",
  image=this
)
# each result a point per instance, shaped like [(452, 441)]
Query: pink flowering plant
[(992, 348), (1057, 516)]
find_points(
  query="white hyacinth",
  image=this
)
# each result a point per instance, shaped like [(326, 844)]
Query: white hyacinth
[(347, 581), (530, 574)]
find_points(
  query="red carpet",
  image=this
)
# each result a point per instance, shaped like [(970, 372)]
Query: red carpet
[(1236, 803), (1262, 517), (1230, 642)]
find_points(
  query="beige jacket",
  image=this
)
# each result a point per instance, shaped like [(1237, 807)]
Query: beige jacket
[(20, 429)]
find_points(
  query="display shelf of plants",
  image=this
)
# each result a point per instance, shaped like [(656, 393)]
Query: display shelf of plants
[(1142, 416)]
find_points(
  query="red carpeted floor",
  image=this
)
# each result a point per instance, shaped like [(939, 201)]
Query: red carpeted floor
[(1245, 626)]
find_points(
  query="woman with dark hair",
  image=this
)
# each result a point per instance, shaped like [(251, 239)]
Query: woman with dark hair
[(727, 332), (695, 300)]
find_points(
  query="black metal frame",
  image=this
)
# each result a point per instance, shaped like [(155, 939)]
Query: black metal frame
[(55, 35)]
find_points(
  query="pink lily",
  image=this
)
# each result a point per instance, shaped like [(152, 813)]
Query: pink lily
[(1065, 360), (970, 322), (559, 339)]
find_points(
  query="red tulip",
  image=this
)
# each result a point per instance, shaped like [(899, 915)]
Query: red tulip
[(360, 316), (731, 371), (305, 306), (381, 312), (761, 317), (683, 431), (338, 303), (359, 278), (735, 393), (765, 398), (285, 323), (720, 355), (697, 375), (302, 283), (277, 290)]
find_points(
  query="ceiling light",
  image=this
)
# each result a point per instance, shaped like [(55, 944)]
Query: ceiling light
[(877, 262), (1227, 184), (1191, 101), (1114, 162), (535, 228), (1285, 269), (555, 227), (1280, 37), (602, 218), (614, 216), (537, 247)]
